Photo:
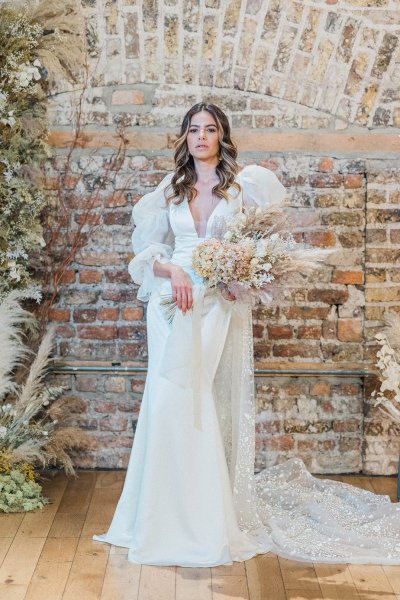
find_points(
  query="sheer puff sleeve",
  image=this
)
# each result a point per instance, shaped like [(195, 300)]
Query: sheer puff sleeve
[(152, 239), (260, 186)]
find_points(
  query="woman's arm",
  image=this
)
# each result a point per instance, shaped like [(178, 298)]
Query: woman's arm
[(180, 282)]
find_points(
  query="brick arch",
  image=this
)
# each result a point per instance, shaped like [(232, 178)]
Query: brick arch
[(338, 58)]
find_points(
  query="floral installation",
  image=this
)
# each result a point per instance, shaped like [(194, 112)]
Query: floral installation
[(43, 48), (248, 254), (23, 149), (36, 419), (387, 397)]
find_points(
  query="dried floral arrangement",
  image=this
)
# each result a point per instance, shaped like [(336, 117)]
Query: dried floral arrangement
[(42, 48), (388, 395), (23, 149), (37, 427)]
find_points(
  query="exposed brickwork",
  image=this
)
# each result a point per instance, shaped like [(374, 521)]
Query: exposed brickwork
[(312, 92)]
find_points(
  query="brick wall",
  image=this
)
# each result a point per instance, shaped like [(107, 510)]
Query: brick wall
[(312, 92)]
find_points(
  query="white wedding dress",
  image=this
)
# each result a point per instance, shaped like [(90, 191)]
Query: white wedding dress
[(190, 496)]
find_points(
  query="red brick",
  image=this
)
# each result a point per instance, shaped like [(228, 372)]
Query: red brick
[(84, 315), (59, 314), (350, 330), (117, 218), (107, 314), (321, 388), (137, 385), (132, 332), (327, 406), (88, 218), (349, 277), (347, 389), (331, 180), (119, 296), (86, 383), (290, 350), (105, 407), (325, 445), (132, 314), (70, 181), (322, 239), (130, 350), (329, 296), (261, 350), (304, 445), (116, 199), (309, 332), (305, 312), (258, 330), (283, 442), (95, 332), (68, 277), (347, 425), (353, 181), (90, 276), (325, 165), (116, 276), (279, 332), (114, 424)]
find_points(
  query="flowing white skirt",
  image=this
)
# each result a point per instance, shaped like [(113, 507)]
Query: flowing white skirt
[(177, 508)]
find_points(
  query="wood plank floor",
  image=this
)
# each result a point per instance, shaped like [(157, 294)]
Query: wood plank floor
[(49, 555)]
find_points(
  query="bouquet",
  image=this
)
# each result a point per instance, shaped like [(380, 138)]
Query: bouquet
[(248, 254)]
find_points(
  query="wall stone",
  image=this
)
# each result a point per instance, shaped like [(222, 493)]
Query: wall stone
[(312, 92)]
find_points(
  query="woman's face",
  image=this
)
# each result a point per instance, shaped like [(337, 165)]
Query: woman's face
[(202, 137)]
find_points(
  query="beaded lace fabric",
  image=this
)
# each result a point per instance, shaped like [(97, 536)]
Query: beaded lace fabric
[(307, 518)]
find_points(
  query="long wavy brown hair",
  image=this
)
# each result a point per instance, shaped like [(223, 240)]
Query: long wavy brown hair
[(184, 178)]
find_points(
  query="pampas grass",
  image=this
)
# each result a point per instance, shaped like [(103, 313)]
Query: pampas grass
[(35, 418), (12, 351), (62, 46)]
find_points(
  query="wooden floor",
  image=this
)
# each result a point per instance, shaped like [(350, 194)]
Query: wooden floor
[(50, 555)]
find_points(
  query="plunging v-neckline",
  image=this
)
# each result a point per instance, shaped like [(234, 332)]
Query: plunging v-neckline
[(207, 221)]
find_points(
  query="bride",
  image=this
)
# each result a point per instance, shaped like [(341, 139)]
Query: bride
[(190, 496)]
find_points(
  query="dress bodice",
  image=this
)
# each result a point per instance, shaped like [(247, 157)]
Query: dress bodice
[(183, 226), (167, 231)]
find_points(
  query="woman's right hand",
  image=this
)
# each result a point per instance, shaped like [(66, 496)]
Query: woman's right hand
[(181, 284)]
